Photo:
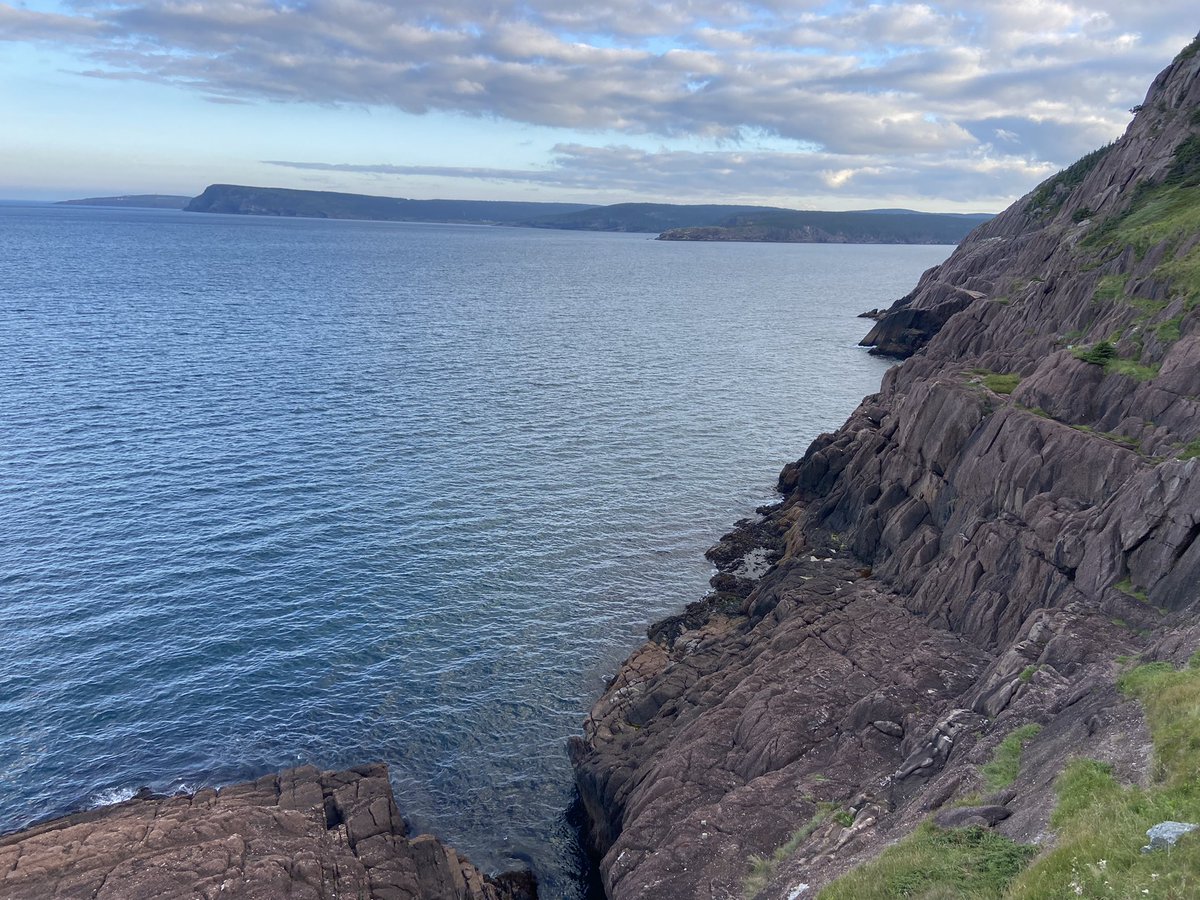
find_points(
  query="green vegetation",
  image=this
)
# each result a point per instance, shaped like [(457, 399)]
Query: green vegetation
[(1097, 355), (769, 224), (1006, 760), (998, 382), (1054, 190), (1126, 587), (1166, 212), (844, 817), (1189, 51), (1104, 354), (974, 863), (1026, 675), (1084, 212), (762, 868), (1132, 369), (1002, 383), (1110, 287), (1102, 824), (1123, 439), (1191, 450), (1169, 331)]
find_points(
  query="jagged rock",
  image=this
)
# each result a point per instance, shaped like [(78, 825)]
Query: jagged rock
[(953, 561), (302, 833), (1164, 835)]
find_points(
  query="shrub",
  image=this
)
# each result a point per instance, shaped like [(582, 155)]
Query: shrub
[(1098, 354)]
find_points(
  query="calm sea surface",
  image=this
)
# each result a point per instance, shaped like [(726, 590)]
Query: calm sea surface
[(284, 491)]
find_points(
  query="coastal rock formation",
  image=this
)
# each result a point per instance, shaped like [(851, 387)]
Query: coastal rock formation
[(302, 833), (969, 553)]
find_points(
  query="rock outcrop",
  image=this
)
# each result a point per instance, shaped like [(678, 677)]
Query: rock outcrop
[(303, 833), (1018, 506)]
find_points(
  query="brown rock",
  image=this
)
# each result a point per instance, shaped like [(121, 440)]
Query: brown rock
[(302, 833)]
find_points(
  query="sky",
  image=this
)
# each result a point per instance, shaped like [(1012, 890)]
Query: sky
[(942, 106)]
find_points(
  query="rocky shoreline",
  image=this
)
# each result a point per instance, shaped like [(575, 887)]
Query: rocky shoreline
[(302, 833), (974, 555)]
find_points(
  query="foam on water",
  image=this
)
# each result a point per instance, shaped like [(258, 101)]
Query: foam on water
[(111, 796), (277, 492)]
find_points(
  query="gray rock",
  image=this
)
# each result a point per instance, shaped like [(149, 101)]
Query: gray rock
[(961, 817), (1164, 835)]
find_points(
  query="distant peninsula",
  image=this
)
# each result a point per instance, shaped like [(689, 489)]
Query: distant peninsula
[(670, 221), (239, 199), (137, 201), (900, 226)]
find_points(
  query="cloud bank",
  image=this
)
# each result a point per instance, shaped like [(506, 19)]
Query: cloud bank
[(965, 99)]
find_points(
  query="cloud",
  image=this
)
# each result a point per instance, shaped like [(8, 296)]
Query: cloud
[(858, 81), (976, 178)]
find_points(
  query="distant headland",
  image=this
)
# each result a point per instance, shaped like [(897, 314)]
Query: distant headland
[(670, 221)]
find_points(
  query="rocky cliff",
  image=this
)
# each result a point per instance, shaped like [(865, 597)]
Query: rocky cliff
[(978, 548), (303, 833)]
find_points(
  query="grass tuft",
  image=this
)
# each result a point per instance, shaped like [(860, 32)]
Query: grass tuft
[(763, 867), (1126, 587), (973, 863), (1110, 287), (1101, 824), (1006, 760)]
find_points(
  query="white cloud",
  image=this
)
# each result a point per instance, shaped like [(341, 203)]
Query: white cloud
[(927, 87)]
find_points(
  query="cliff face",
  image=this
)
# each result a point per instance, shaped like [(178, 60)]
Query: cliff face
[(302, 833), (1017, 507)]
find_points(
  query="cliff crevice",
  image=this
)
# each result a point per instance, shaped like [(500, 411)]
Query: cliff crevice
[(970, 552)]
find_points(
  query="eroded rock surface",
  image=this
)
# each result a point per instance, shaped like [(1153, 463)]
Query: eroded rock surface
[(971, 552), (303, 833)]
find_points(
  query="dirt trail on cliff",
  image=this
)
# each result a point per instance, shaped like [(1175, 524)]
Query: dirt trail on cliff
[(971, 552)]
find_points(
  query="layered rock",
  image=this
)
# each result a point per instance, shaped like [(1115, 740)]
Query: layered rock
[(303, 833), (1016, 507)]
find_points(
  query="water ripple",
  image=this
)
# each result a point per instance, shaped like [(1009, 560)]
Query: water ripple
[(294, 491)]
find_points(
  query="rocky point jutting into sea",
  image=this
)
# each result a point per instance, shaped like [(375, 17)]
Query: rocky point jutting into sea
[(978, 548), (945, 613)]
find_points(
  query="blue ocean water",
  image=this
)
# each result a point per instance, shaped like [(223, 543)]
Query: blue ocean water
[(283, 491)]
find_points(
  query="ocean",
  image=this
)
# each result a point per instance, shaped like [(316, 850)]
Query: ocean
[(282, 491)]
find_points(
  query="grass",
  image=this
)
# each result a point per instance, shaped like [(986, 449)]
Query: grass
[(1001, 383), (1169, 331), (1190, 450), (1101, 824), (1131, 369), (998, 382), (1110, 287), (1026, 675), (1123, 439), (763, 867), (974, 863), (1104, 354), (1184, 272), (1054, 190), (1006, 760), (1126, 587)]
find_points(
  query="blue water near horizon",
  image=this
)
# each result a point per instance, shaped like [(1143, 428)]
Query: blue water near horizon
[(296, 491)]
